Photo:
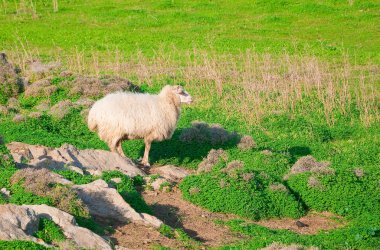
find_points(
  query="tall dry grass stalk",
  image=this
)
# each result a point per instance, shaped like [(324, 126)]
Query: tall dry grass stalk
[(55, 5), (248, 85), (25, 7)]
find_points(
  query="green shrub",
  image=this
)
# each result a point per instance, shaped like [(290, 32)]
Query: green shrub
[(252, 199), (127, 190), (21, 245), (352, 237), (343, 193), (49, 232)]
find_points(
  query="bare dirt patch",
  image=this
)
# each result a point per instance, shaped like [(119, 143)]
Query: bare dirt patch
[(314, 222), (196, 222), (134, 236)]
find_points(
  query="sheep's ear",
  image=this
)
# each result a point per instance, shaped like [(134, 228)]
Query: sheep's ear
[(178, 89)]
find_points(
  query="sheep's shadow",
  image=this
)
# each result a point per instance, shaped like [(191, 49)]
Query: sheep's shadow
[(177, 151), (297, 152)]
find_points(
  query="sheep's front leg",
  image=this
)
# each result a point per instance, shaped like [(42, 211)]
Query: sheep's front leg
[(145, 160)]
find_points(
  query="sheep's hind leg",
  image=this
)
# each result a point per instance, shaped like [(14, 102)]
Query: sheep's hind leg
[(119, 148), (145, 160), (112, 145)]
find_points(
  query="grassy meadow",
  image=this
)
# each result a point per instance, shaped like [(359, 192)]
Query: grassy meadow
[(300, 77)]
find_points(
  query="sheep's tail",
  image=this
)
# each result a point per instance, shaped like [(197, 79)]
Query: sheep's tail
[(91, 122)]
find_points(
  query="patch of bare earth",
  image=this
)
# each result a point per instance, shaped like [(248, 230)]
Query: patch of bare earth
[(195, 221), (134, 236), (310, 224)]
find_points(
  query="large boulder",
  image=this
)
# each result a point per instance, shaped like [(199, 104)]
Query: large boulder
[(21, 222), (82, 237), (89, 161), (17, 223), (106, 202)]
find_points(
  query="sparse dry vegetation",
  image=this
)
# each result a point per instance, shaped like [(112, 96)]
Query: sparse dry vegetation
[(284, 124), (309, 164), (249, 85), (213, 158), (41, 183)]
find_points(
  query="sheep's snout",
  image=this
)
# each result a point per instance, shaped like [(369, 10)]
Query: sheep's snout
[(186, 98)]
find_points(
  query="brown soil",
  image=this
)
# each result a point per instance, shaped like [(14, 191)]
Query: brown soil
[(314, 221), (134, 236), (177, 213), (195, 221)]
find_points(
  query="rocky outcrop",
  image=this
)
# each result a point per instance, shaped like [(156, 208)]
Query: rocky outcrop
[(106, 202), (82, 237), (21, 222), (17, 223), (67, 156)]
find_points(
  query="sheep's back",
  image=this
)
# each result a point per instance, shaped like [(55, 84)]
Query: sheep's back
[(136, 115)]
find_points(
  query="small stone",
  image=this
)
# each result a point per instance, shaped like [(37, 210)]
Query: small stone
[(194, 190), (301, 224), (266, 152), (116, 180), (5, 192)]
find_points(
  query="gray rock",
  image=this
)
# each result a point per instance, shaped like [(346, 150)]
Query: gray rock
[(116, 180), (155, 183), (106, 202), (5, 192), (172, 173), (17, 223), (89, 161), (82, 237)]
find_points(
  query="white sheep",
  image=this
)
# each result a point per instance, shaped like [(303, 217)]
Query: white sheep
[(126, 116)]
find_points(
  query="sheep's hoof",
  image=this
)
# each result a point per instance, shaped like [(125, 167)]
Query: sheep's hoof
[(146, 164)]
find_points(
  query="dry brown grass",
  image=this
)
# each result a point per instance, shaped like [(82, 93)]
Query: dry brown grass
[(40, 182), (232, 168), (309, 164), (278, 187), (213, 158), (248, 85)]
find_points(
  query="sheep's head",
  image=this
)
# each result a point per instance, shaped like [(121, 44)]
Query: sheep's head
[(183, 95), (177, 92)]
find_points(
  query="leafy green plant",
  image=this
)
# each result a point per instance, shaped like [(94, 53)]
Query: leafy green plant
[(49, 232), (127, 190), (21, 245)]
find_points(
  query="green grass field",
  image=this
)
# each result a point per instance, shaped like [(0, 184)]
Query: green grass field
[(300, 77), (325, 28)]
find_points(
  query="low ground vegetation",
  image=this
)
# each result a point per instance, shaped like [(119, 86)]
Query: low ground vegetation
[(289, 125), (311, 166)]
